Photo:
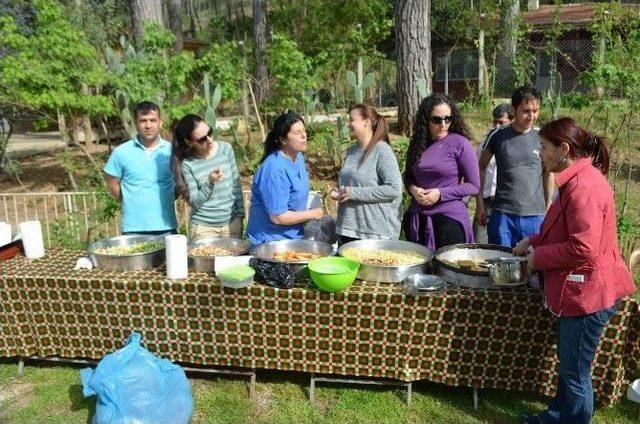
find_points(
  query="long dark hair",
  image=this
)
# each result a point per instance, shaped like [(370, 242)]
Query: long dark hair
[(582, 143), (379, 127), (181, 150), (421, 138), (281, 128)]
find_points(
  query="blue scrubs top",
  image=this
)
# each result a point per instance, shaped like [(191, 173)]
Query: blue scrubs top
[(280, 185)]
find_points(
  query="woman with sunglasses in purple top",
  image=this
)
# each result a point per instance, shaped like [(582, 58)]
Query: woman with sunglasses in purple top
[(207, 178), (441, 169)]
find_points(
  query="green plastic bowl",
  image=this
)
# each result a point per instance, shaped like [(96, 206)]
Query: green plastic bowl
[(333, 274)]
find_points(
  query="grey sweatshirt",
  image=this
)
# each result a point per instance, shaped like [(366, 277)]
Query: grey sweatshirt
[(375, 207)]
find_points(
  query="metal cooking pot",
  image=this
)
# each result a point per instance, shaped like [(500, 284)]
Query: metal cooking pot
[(507, 271), (468, 251), (207, 263), (388, 274), (129, 262), (266, 251)]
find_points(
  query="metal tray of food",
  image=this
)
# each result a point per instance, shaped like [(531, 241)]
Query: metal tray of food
[(448, 261), (202, 253), (128, 253), (298, 253), (380, 268)]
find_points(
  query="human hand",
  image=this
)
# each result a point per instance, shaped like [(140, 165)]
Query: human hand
[(521, 248), (215, 175), (418, 193), (431, 196), (345, 194), (531, 264), (481, 215), (336, 194)]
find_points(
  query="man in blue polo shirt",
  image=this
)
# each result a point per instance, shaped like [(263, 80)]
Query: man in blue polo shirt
[(138, 174)]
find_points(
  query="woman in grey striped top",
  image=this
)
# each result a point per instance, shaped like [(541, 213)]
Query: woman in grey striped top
[(207, 178), (370, 193)]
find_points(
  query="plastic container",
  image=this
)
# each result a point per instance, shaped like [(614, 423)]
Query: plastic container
[(236, 277), (333, 274)]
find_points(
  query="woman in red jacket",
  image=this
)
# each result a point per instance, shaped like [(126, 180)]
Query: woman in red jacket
[(577, 252)]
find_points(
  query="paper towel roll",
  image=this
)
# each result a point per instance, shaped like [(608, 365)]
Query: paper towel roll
[(176, 250), (31, 232), (5, 233)]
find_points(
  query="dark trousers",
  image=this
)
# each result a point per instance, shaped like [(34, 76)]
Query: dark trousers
[(446, 231)]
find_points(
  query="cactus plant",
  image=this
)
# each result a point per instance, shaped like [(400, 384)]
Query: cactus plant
[(122, 103), (358, 86), (212, 100)]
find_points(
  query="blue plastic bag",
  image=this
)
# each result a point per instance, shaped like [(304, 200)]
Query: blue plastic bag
[(135, 386)]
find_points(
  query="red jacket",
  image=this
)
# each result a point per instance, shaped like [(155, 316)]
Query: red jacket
[(577, 248)]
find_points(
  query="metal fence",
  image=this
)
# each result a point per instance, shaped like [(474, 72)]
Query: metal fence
[(72, 219)]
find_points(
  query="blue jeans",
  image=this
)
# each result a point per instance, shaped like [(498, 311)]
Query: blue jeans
[(578, 339), (505, 229)]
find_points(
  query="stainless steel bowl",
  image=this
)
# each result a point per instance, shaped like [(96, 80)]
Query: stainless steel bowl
[(388, 274), (468, 251), (207, 263), (266, 251), (422, 283), (508, 272), (130, 262)]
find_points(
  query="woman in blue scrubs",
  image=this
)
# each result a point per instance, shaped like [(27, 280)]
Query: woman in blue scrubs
[(281, 186)]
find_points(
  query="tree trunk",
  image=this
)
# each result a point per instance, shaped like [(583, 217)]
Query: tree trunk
[(260, 42), (62, 128), (413, 50), (175, 23), (144, 12), (510, 21)]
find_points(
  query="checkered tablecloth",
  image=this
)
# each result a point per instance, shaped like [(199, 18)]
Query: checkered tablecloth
[(460, 337)]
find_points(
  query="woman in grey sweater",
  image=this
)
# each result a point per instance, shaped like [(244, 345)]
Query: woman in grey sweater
[(370, 193)]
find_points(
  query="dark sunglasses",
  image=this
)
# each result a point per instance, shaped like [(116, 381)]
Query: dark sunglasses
[(204, 139), (440, 119)]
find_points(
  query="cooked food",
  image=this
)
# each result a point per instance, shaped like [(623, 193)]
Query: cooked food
[(294, 256), (130, 249), (383, 257), (467, 264), (212, 251)]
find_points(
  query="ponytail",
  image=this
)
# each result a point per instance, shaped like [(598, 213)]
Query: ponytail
[(379, 126), (595, 147)]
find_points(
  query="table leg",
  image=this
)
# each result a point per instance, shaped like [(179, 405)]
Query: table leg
[(20, 366), (409, 389), (252, 383), (312, 389), (475, 398)]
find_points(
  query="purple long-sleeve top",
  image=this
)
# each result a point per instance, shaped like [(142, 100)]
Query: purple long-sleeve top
[(450, 165)]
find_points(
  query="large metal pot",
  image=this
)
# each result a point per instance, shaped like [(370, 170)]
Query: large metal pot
[(130, 262), (388, 274), (237, 247), (465, 251), (266, 251)]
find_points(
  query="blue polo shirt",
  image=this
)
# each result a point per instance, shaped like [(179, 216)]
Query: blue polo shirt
[(280, 185), (146, 184)]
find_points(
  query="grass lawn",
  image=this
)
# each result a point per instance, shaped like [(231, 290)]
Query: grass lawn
[(53, 394)]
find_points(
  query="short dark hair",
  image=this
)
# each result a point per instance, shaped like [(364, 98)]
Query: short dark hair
[(526, 93), (144, 108), (503, 108)]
